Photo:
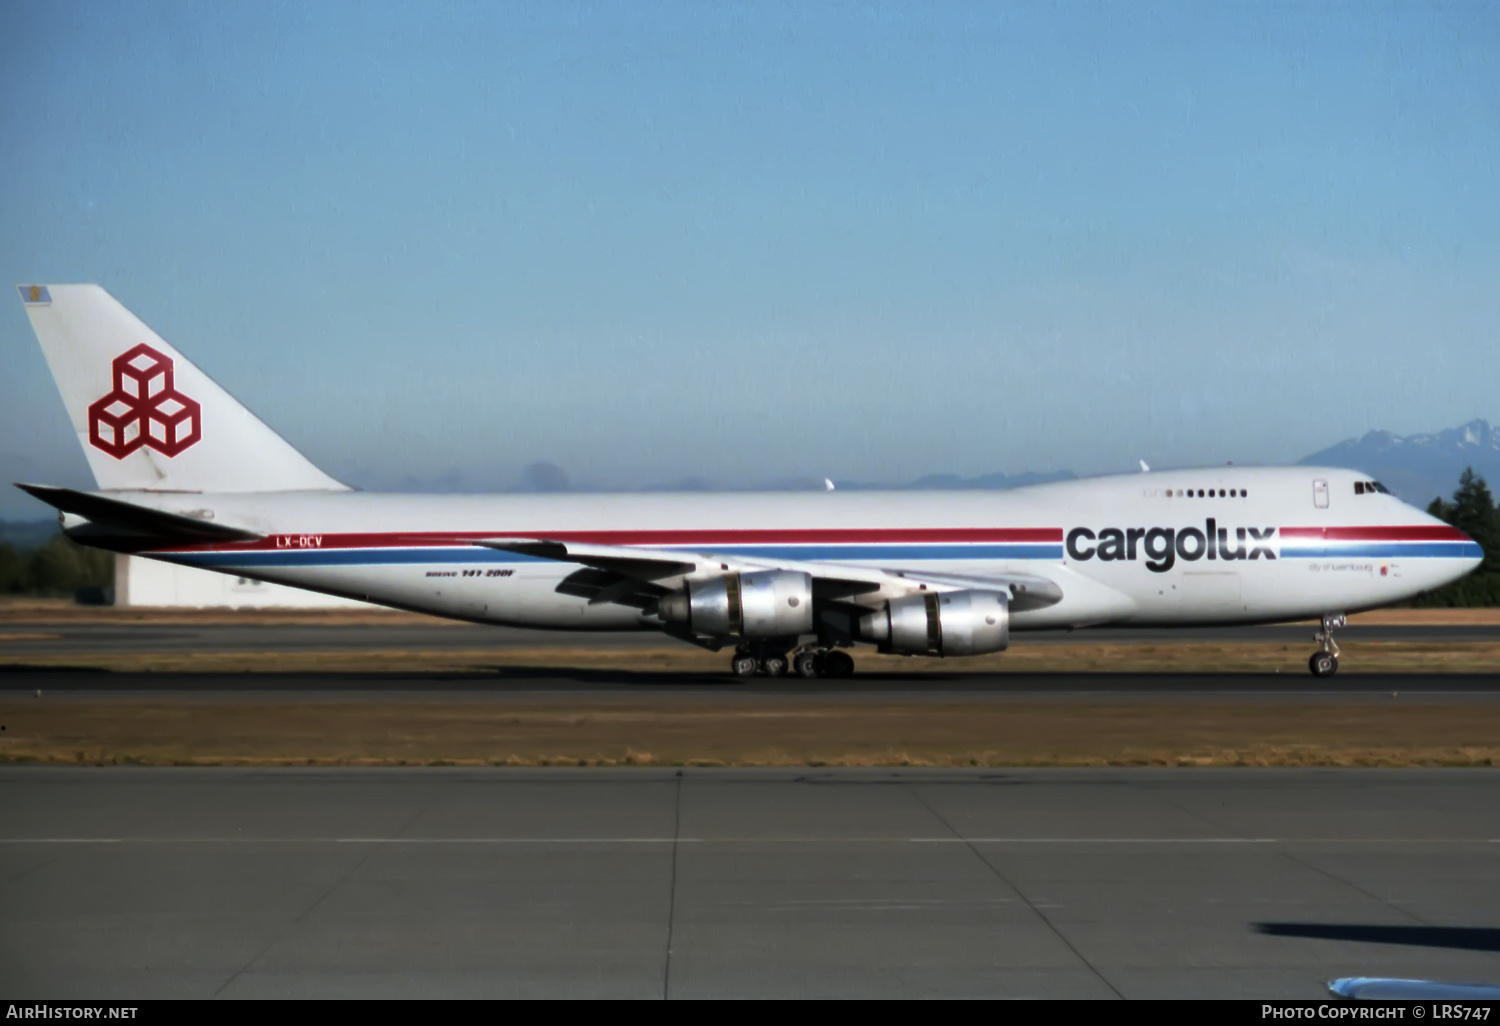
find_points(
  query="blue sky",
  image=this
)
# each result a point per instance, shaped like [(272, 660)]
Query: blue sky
[(749, 242)]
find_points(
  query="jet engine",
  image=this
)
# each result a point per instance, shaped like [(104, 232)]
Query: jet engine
[(951, 623), (763, 604)]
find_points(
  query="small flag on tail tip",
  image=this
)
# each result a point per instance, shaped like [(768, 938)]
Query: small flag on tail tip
[(34, 295)]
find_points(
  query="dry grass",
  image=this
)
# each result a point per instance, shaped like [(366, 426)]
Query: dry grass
[(1052, 657), (726, 729), (738, 732)]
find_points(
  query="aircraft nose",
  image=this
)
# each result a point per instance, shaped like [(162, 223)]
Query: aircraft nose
[(1460, 545), (1473, 552), (1453, 544)]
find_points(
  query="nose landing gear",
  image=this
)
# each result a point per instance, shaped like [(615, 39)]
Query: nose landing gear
[(1325, 661)]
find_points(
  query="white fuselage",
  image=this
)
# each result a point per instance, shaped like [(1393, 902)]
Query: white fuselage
[(1285, 543)]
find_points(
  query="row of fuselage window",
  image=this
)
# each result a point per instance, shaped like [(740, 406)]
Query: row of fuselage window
[(1360, 488), (1209, 493)]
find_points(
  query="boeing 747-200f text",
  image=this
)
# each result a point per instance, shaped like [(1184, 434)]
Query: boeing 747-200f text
[(789, 581)]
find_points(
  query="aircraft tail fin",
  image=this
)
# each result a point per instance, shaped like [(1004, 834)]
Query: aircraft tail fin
[(147, 418)]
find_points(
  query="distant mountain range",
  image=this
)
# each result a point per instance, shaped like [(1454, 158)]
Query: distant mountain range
[(1419, 468), (942, 482)]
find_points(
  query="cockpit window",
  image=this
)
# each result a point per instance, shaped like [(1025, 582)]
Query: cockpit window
[(1382, 489), (1359, 488), (1370, 488)]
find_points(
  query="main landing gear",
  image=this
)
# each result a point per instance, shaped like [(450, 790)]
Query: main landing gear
[(823, 662), (1325, 661), (807, 663)]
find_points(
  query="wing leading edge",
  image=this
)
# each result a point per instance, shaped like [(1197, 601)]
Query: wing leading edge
[(862, 585)]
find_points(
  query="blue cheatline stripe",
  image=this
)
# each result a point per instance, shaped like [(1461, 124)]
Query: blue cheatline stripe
[(1385, 550), (475, 554)]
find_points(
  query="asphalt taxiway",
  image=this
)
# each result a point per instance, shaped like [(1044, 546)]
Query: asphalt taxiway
[(135, 883), (586, 684), (19, 639)]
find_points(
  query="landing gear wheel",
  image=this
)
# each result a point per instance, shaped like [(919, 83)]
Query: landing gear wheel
[(743, 665), (1325, 661), (1323, 664), (808, 665), (838, 664), (773, 666)]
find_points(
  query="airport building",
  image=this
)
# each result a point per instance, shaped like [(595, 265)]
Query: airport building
[(146, 582)]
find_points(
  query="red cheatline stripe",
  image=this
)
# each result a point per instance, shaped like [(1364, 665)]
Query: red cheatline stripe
[(1435, 533), (698, 539), (841, 535)]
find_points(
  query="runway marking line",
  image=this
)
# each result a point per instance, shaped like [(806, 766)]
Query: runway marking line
[(746, 840)]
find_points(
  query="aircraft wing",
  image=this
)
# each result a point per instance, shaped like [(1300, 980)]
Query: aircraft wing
[(642, 564), (863, 585)]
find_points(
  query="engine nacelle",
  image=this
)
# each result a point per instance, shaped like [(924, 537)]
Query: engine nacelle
[(763, 604), (950, 623)]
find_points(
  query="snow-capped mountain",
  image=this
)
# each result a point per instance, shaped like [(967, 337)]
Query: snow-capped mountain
[(1418, 468)]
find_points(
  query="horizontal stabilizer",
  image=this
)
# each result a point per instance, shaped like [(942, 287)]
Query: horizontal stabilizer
[(115, 513)]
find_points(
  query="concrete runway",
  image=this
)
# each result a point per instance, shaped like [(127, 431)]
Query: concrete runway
[(134, 883), (93, 639)]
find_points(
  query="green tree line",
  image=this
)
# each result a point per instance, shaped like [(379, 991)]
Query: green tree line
[(59, 567), (1473, 511)]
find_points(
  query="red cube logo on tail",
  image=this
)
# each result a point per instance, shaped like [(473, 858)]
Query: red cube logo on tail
[(145, 408)]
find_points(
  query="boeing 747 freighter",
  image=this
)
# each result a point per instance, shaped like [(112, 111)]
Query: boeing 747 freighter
[(790, 582)]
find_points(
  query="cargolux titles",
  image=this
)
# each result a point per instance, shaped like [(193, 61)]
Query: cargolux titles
[(1162, 547)]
